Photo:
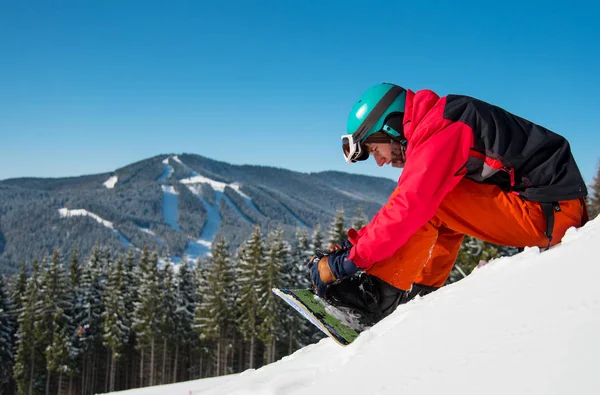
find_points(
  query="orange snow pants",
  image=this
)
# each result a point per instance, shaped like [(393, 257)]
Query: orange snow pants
[(480, 210)]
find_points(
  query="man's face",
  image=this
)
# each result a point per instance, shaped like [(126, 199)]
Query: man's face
[(382, 153)]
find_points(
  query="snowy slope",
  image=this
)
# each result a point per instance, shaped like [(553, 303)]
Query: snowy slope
[(169, 206), (528, 324), (66, 213), (111, 182)]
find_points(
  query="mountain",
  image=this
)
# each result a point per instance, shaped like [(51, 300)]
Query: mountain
[(527, 324), (177, 204)]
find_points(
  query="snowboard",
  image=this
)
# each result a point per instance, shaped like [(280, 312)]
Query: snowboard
[(335, 323)]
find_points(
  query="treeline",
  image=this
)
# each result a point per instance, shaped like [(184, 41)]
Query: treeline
[(114, 322)]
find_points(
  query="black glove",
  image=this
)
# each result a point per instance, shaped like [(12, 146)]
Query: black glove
[(327, 267)]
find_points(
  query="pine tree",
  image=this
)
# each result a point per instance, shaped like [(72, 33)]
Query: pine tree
[(317, 242), (337, 231), (74, 267), (73, 293), (146, 314), (214, 312), (167, 316), (277, 255), (360, 219), (186, 305), (88, 319), (250, 256), (6, 338), (200, 348), (594, 196), (17, 292), (295, 275), (130, 286), (294, 272), (20, 287), (57, 352), (115, 328), (27, 360), (91, 294), (51, 320)]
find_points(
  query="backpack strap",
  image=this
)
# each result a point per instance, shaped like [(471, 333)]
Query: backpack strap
[(548, 209)]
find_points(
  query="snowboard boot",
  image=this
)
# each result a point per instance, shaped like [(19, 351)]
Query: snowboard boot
[(419, 290), (367, 297)]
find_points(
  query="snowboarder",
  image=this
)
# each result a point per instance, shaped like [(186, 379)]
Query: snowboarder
[(469, 168)]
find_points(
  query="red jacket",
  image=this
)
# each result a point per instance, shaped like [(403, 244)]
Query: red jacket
[(457, 136), (437, 149)]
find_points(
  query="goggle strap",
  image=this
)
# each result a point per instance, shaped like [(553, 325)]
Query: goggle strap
[(379, 109)]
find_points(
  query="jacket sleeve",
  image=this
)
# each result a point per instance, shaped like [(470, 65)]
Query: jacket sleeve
[(434, 166)]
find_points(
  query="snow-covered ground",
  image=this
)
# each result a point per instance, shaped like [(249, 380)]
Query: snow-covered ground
[(170, 210), (167, 172), (527, 324), (219, 186), (111, 182), (202, 245), (66, 213)]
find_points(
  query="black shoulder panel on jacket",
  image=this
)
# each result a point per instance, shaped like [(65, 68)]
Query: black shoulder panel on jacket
[(543, 164)]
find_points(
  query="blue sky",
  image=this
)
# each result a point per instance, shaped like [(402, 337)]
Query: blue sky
[(87, 87)]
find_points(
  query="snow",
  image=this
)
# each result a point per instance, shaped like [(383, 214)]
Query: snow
[(219, 186), (167, 172), (527, 324), (198, 179), (195, 387), (111, 182), (176, 159), (66, 213), (201, 246), (170, 200)]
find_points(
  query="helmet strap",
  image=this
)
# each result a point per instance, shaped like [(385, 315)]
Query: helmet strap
[(396, 136)]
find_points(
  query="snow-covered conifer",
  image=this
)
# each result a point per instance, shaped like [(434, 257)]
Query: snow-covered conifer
[(184, 318), (6, 336), (19, 287), (276, 256), (28, 365), (58, 358), (116, 325), (168, 317), (295, 275), (337, 231), (249, 258), (360, 219), (147, 311), (214, 311), (317, 239), (52, 322)]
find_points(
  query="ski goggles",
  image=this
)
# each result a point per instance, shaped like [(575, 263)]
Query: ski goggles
[(353, 149)]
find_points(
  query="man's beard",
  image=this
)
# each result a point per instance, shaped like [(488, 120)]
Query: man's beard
[(398, 156)]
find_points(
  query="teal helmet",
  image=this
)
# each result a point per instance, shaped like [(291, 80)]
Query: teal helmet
[(370, 114), (395, 99)]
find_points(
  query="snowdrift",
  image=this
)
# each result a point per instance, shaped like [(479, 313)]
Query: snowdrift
[(529, 324)]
